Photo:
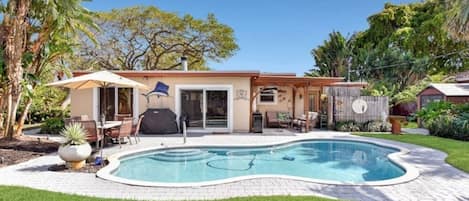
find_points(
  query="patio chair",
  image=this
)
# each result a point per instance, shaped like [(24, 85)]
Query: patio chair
[(92, 133), (120, 117), (68, 121), (278, 119), (136, 129), (124, 131), (84, 117), (301, 121)]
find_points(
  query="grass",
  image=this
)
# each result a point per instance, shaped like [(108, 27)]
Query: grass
[(458, 151), (411, 125), (15, 193)]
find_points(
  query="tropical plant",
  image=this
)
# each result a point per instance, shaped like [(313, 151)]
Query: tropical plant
[(457, 21), (74, 134), (333, 57), (435, 109), (52, 126), (35, 35)]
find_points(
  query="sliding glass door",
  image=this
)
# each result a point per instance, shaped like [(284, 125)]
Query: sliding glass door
[(205, 108), (118, 101), (217, 109)]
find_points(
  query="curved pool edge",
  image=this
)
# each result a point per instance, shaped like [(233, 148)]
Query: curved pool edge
[(411, 172)]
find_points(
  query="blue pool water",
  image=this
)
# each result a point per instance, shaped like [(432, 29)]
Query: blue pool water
[(343, 161)]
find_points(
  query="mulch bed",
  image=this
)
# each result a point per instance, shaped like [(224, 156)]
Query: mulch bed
[(24, 148), (89, 168)]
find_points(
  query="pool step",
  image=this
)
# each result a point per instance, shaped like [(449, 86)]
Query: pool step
[(182, 155)]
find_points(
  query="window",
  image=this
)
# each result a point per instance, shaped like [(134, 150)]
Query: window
[(268, 95), (312, 102), (125, 101), (425, 99)]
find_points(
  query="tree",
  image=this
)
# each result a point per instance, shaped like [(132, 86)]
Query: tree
[(457, 22), (37, 34), (333, 57), (147, 38)]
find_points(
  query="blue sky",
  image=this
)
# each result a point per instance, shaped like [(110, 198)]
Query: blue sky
[(273, 36)]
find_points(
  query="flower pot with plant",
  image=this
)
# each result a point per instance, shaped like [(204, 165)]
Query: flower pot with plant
[(75, 150)]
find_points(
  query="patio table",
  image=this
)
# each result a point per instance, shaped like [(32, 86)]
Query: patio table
[(107, 125)]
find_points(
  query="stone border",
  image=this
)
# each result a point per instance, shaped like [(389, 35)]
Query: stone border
[(114, 162)]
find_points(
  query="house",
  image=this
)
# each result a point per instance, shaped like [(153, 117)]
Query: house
[(451, 92), (215, 101)]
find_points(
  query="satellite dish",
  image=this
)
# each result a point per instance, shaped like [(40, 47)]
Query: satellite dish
[(359, 106)]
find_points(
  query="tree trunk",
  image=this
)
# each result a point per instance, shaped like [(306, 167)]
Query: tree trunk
[(24, 114), (16, 24)]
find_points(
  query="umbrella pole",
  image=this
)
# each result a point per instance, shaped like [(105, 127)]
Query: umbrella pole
[(103, 120)]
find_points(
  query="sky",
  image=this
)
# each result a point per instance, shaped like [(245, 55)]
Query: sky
[(273, 35)]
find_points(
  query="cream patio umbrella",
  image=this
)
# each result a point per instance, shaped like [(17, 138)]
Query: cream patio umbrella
[(102, 79)]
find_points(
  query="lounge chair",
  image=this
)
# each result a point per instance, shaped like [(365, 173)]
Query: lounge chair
[(124, 131), (92, 134), (301, 121), (136, 129), (278, 119)]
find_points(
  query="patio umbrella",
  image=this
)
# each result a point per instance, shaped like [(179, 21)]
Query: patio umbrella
[(102, 79)]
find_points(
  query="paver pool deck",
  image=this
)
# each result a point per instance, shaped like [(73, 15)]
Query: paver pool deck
[(437, 180)]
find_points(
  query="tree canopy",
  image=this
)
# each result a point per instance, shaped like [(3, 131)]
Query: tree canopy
[(147, 38), (403, 45)]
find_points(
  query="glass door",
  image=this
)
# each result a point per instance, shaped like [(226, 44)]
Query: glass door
[(192, 107), (107, 102), (216, 115)]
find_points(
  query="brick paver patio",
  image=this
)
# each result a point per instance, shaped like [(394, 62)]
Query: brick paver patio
[(437, 180)]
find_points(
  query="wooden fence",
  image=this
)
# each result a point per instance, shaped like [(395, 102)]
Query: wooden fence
[(367, 108)]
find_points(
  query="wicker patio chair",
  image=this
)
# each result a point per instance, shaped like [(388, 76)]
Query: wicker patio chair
[(92, 133), (136, 129), (124, 131)]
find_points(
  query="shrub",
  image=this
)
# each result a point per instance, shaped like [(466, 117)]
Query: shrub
[(348, 126), (447, 120), (52, 126), (376, 126)]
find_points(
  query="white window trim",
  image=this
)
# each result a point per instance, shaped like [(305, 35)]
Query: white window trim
[(258, 98)]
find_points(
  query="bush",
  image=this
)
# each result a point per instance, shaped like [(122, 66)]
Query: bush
[(371, 126), (447, 120), (347, 126), (52, 126)]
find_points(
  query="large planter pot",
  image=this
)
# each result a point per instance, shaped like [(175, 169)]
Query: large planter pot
[(75, 153)]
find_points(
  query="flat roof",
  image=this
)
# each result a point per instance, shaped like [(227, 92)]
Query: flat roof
[(178, 73)]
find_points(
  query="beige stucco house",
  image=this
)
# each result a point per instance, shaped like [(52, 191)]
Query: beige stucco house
[(217, 101)]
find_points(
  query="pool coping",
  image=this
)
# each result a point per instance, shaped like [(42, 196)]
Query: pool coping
[(411, 172)]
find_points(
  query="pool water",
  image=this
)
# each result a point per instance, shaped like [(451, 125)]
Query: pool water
[(342, 161)]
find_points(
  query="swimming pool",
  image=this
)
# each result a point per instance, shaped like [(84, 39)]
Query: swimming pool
[(337, 161)]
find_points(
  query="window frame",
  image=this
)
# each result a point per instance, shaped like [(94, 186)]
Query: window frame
[(274, 94)]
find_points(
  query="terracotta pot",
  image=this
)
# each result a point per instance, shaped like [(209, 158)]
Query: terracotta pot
[(75, 153)]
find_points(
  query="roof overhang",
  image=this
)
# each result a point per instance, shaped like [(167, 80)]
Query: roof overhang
[(264, 80), (179, 73)]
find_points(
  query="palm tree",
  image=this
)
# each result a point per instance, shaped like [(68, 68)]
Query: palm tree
[(47, 30), (333, 57), (458, 19)]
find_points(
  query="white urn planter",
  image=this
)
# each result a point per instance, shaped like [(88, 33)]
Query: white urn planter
[(75, 154)]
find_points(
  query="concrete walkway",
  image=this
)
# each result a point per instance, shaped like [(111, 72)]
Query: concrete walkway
[(438, 180)]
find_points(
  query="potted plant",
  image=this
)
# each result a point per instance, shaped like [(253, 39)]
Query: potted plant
[(75, 150)]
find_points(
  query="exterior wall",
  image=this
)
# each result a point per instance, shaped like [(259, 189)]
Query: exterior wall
[(426, 92), (81, 102), (458, 99), (240, 104), (284, 102)]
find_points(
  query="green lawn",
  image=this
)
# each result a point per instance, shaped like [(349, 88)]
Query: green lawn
[(14, 193), (411, 125), (458, 151)]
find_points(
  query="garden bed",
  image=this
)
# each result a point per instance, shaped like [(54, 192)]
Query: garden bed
[(23, 149)]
